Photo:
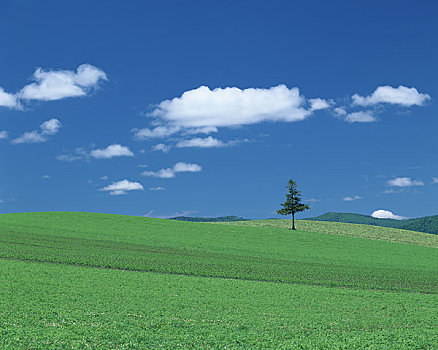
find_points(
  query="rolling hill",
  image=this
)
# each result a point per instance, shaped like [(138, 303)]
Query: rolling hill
[(428, 224), (387, 234), (81, 280)]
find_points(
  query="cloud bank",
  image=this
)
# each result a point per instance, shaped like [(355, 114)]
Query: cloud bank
[(204, 110), (231, 106)]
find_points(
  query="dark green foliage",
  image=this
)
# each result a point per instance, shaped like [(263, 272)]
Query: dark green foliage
[(293, 203), (204, 219), (428, 224)]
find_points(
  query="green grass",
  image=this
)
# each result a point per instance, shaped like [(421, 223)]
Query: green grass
[(110, 281), (263, 254), (46, 306), (351, 230)]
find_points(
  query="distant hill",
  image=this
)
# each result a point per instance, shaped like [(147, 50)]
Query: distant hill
[(204, 219), (428, 224)]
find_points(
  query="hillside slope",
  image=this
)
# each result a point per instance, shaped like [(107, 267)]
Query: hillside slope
[(217, 250), (379, 233), (81, 280), (428, 224)]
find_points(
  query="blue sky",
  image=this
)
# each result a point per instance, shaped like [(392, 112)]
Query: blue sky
[(207, 108)]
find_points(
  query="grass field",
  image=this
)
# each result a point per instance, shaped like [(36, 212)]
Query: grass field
[(351, 230), (107, 281)]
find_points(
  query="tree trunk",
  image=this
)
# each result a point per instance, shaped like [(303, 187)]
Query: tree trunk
[(293, 221)]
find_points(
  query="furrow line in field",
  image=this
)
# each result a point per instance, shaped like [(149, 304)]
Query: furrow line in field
[(211, 276)]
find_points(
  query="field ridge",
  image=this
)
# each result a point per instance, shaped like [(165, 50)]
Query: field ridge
[(387, 234)]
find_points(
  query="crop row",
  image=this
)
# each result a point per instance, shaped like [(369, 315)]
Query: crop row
[(52, 306), (140, 257)]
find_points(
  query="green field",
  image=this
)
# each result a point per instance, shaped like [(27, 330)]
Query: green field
[(428, 224), (348, 229), (76, 280)]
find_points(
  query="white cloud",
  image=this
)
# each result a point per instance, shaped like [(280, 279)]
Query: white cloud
[(317, 104), (312, 200), (158, 188), (49, 127), (434, 180), (207, 142), (29, 137), (392, 191), (4, 135), (340, 111), (385, 214), (159, 131), (8, 100), (402, 95), (203, 130), (168, 173), (78, 154), (122, 187), (351, 198), (161, 147), (231, 106), (68, 158), (45, 177), (360, 117), (182, 167), (111, 151), (404, 182), (58, 84)]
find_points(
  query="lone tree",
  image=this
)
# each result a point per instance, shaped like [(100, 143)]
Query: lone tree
[(293, 202)]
